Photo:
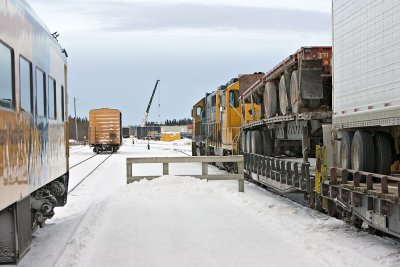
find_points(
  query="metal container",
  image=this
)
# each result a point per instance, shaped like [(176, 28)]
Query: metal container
[(366, 63)]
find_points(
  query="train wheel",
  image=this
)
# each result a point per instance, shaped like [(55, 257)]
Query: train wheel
[(295, 97), (248, 142), (362, 151), (356, 221), (331, 209), (256, 146), (373, 231), (283, 96), (267, 143), (345, 150), (270, 99), (383, 153)]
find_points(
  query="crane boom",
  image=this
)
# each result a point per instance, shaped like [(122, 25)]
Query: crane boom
[(146, 114)]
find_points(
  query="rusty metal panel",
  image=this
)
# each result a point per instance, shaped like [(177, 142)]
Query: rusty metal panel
[(247, 80), (104, 126)]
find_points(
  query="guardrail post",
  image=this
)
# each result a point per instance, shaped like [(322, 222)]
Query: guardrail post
[(204, 168), (241, 179), (128, 169), (384, 185), (165, 169)]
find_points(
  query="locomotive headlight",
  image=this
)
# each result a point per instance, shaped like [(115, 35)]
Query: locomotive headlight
[(325, 62)]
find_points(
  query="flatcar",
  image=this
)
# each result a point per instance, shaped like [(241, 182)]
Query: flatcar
[(33, 127), (105, 130)]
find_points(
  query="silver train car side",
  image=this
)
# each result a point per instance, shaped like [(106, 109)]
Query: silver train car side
[(33, 127)]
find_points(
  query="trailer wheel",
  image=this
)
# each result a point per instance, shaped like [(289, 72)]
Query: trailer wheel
[(362, 151), (270, 99), (267, 143), (295, 97), (383, 153), (256, 145), (283, 96), (248, 142), (345, 150)]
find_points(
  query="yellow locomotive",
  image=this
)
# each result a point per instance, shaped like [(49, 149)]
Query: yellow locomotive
[(218, 116)]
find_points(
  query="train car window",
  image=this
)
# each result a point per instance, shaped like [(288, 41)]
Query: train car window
[(234, 99), (52, 98), (198, 111), (41, 93), (25, 77), (61, 97), (6, 77)]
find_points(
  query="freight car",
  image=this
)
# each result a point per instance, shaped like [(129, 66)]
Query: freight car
[(126, 132), (355, 176), (33, 127), (105, 132)]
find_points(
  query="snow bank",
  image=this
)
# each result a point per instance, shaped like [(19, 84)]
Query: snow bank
[(181, 221)]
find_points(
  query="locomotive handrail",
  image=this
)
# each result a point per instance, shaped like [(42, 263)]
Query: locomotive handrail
[(204, 160)]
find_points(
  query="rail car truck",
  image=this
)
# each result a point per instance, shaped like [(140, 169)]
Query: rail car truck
[(105, 132), (34, 152), (217, 118)]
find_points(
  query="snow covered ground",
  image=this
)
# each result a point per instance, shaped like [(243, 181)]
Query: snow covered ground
[(182, 221)]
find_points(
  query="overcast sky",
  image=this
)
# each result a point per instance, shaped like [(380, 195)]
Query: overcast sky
[(119, 48)]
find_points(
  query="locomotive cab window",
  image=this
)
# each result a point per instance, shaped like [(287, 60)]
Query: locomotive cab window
[(25, 76), (6, 77), (52, 98), (41, 98), (234, 99)]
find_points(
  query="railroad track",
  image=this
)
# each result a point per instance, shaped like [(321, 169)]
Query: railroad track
[(73, 166), (76, 150), (84, 178)]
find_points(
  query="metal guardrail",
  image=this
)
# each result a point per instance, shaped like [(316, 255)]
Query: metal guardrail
[(204, 160), (295, 174)]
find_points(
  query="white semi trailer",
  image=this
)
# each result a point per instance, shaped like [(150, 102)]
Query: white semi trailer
[(366, 82)]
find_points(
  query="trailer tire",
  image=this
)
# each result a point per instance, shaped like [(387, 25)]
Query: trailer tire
[(295, 96), (283, 96), (383, 153), (256, 145), (362, 151), (267, 143), (248, 142), (270, 99), (345, 150)]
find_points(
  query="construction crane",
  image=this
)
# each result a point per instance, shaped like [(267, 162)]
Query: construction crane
[(146, 114)]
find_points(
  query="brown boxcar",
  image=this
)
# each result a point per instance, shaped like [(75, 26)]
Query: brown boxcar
[(105, 131)]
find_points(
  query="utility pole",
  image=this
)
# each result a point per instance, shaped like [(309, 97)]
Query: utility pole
[(76, 124)]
